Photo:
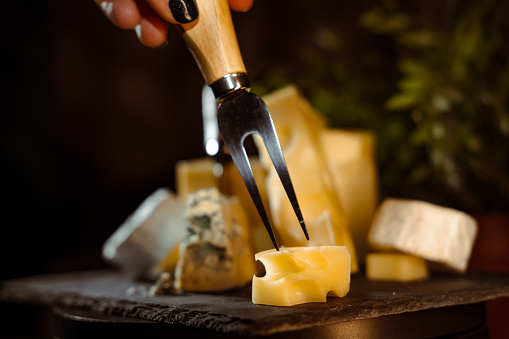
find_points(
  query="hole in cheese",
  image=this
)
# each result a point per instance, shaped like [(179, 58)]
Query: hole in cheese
[(260, 269)]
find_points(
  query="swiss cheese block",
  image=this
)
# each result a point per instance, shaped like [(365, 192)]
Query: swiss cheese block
[(215, 253), (146, 237), (193, 175), (432, 232), (297, 275), (298, 128), (395, 267)]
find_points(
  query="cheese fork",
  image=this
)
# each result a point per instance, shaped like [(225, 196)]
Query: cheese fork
[(212, 42)]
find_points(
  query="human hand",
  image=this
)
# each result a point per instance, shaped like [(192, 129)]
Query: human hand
[(150, 19)]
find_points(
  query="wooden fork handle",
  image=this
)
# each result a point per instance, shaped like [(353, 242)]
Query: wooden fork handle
[(212, 41)]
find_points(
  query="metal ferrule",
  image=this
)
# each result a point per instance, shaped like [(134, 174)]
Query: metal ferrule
[(229, 83)]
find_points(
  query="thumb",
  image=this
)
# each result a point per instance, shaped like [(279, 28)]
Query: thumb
[(175, 11)]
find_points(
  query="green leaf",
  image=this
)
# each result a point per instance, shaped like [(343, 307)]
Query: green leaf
[(417, 39), (372, 18), (381, 22), (403, 101), (413, 67), (419, 174), (414, 83)]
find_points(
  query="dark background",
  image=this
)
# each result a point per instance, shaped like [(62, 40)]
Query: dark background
[(92, 122)]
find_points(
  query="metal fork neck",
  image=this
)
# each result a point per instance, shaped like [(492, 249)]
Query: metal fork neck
[(230, 83)]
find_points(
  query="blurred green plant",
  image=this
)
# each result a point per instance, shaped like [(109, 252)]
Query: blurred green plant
[(433, 84)]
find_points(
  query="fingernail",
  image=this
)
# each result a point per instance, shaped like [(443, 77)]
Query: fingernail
[(107, 7), (137, 29), (184, 11)]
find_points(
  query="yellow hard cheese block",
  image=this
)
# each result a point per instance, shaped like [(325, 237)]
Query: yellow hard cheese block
[(193, 175), (395, 267), (299, 127), (350, 156), (168, 263), (297, 275)]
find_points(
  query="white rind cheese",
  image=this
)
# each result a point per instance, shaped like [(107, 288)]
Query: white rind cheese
[(215, 254), (146, 236), (432, 232)]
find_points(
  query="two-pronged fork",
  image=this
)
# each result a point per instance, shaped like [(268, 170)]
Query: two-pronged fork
[(212, 41)]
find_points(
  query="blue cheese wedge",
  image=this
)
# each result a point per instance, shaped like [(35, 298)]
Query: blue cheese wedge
[(438, 234), (215, 253)]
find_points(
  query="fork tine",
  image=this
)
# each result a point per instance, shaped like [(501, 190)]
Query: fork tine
[(241, 160), (264, 126), (241, 115), (278, 160), (238, 118)]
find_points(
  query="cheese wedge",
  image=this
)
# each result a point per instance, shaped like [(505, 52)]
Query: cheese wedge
[(193, 175), (397, 267), (147, 235), (297, 275), (202, 173), (432, 232), (350, 157), (215, 253), (190, 176), (298, 127)]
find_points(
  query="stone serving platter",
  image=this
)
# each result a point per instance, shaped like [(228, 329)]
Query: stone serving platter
[(111, 292)]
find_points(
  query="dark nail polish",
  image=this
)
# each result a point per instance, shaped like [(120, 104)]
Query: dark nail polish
[(184, 11)]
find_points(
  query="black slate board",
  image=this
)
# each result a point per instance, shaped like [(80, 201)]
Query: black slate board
[(105, 292)]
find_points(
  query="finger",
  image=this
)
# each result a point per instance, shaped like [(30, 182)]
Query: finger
[(152, 30), (122, 13), (175, 11), (240, 5)]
